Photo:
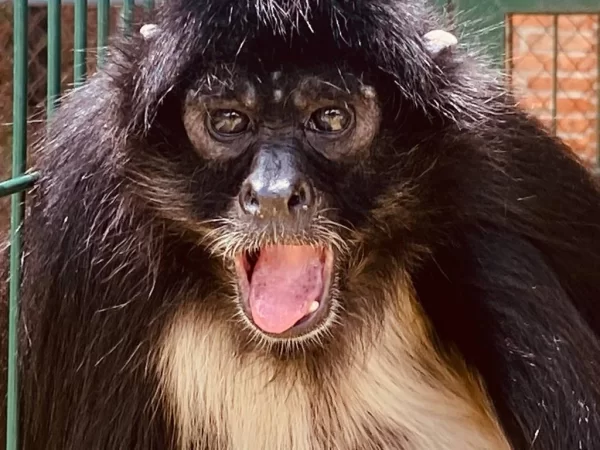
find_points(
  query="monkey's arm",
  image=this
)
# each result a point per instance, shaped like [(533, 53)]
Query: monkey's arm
[(502, 305)]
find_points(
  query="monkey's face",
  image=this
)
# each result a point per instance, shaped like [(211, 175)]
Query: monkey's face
[(280, 158)]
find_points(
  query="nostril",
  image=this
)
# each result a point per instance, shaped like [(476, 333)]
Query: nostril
[(249, 200), (275, 199), (300, 198), (295, 201)]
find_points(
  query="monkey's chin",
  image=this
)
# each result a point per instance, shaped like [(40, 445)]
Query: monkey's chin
[(285, 290)]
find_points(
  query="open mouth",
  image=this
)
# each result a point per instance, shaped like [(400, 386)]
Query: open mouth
[(285, 288)]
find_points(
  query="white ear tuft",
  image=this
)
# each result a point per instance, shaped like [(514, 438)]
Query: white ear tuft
[(149, 30), (438, 41)]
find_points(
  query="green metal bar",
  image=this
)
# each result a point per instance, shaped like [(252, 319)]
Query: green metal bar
[(103, 28), (80, 42), (554, 72), (54, 49), (508, 49), (20, 183), (127, 14), (149, 5), (533, 6), (20, 24)]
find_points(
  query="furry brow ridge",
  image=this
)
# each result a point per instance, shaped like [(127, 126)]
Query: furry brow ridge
[(383, 34)]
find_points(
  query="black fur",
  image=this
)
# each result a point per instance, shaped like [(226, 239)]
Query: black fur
[(496, 221)]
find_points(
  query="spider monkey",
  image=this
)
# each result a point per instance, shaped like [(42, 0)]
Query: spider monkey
[(302, 224)]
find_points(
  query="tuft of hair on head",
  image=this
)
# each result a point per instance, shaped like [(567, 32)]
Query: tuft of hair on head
[(439, 42), (149, 30)]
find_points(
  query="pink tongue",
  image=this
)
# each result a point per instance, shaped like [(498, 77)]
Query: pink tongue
[(285, 282)]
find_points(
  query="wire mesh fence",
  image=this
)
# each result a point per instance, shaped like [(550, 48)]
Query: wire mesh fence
[(553, 63), (37, 67), (43, 51)]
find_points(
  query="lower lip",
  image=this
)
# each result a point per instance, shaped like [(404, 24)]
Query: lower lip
[(306, 324)]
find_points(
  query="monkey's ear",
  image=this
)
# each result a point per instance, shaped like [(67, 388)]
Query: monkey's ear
[(149, 30), (438, 42)]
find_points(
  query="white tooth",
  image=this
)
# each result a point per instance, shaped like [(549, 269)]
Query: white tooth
[(313, 307)]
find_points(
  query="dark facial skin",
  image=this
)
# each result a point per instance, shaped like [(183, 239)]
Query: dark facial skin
[(287, 135)]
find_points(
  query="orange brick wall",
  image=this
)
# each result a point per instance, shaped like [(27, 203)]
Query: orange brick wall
[(531, 64)]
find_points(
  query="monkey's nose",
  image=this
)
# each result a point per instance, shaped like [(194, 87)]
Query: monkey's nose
[(276, 198)]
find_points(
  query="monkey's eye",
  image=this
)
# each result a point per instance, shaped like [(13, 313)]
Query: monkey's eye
[(228, 122), (330, 120)]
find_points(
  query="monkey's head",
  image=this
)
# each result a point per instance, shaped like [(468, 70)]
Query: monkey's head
[(283, 148)]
